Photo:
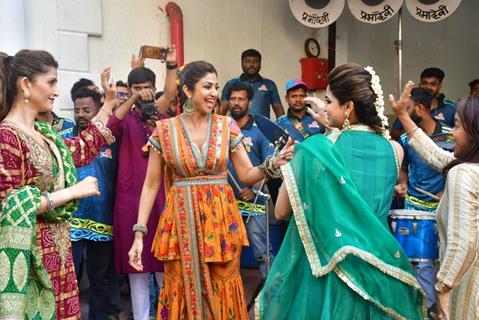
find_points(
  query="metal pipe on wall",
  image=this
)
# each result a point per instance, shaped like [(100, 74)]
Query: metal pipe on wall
[(176, 29)]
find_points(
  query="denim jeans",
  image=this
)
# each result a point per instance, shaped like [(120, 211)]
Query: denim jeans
[(426, 276), (104, 291), (256, 229)]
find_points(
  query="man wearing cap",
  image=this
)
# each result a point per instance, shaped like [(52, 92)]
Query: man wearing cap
[(298, 122), (265, 93)]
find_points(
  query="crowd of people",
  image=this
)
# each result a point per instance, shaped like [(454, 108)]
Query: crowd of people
[(163, 189)]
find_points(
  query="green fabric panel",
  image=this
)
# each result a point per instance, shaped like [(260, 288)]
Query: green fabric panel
[(371, 162), (361, 271)]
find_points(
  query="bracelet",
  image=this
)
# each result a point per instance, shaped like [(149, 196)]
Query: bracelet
[(268, 169), (50, 203), (262, 168), (441, 287), (411, 130), (274, 173), (171, 66), (139, 227)]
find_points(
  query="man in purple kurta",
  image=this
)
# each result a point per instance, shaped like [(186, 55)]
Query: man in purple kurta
[(132, 134), (132, 127)]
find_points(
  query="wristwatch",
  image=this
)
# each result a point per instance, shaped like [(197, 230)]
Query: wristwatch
[(441, 287)]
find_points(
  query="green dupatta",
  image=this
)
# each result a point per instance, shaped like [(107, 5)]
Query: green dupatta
[(337, 261), (25, 288)]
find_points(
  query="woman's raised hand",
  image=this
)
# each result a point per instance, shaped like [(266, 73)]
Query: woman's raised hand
[(171, 55), (400, 106), (286, 154), (320, 115)]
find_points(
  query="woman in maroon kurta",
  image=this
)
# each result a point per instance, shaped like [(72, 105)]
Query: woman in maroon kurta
[(37, 191)]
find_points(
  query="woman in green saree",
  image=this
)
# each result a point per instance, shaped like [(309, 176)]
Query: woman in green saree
[(338, 259)]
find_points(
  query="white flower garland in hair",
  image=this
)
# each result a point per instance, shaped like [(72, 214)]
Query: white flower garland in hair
[(379, 103)]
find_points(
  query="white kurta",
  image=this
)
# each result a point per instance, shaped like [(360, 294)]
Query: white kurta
[(458, 226)]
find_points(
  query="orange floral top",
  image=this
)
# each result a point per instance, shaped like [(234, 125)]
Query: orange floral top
[(201, 222)]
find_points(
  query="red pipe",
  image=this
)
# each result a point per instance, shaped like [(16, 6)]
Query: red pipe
[(173, 11)]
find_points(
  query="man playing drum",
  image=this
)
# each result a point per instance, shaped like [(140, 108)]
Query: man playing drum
[(420, 184), (258, 149)]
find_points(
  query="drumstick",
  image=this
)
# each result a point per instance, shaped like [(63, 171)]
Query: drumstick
[(427, 193), (234, 181)]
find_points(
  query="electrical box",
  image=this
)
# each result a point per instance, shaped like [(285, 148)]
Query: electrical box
[(314, 72)]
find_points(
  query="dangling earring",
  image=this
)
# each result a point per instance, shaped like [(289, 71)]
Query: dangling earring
[(26, 96), (188, 107), (346, 124)]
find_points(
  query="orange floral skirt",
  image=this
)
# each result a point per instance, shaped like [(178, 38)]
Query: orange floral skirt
[(228, 300)]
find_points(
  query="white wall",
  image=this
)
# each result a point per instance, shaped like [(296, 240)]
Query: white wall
[(88, 35), (214, 30)]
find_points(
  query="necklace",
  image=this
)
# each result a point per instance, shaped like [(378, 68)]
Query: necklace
[(359, 127)]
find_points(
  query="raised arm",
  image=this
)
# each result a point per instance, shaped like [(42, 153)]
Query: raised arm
[(248, 174), (169, 90), (89, 142), (418, 140)]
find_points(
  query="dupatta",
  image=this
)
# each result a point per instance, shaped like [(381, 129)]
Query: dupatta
[(334, 236)]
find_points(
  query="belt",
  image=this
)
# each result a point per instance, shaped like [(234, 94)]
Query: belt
[(415, 201), (200, 180)]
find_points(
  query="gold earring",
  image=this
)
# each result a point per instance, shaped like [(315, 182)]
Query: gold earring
[(188, 106), (346, 123), (26, 96)]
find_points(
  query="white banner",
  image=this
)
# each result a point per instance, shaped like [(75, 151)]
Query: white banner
[(322, 14), (374, 11), (431, 10)]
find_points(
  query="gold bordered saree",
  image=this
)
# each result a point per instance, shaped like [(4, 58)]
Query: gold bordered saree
[(337, 260)]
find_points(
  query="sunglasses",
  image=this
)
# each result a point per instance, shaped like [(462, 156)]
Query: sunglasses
[(122, 95)]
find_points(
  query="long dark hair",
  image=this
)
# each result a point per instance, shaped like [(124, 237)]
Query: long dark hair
[(351, 82), (195, 71), (26, 63), (468, 112)]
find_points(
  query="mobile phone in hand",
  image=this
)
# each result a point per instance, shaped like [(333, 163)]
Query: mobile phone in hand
[(152, 52)]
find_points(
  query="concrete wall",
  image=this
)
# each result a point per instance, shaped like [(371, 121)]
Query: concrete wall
[(214, 30), (88, 35)]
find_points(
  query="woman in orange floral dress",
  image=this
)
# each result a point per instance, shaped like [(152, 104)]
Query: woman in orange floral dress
[(200, 233)]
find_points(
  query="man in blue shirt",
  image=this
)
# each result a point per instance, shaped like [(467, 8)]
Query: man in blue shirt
[(265, 93), (442, 108), (91, 226), (258, 149), (297, 122), (415, 173)]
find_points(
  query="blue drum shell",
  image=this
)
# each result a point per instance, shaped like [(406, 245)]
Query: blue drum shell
[(417, 234)]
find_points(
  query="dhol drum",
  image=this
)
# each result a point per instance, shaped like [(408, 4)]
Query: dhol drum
[(416, 232)]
